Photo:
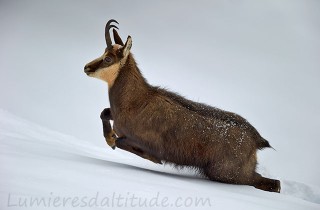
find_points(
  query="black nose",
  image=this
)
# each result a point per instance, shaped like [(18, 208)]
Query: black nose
[(87, 70)]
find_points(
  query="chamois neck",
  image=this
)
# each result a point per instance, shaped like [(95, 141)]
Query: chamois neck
[(129, 72), (129, 86)]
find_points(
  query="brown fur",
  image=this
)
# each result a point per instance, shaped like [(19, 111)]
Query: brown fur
[(162, 126)]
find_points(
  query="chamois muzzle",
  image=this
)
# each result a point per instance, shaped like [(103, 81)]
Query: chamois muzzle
[(107, 32), (88, 70), (92, 66)]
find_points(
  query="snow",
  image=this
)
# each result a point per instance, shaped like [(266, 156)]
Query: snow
[(44, 169)]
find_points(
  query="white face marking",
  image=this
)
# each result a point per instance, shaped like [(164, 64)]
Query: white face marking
[(110, 73)]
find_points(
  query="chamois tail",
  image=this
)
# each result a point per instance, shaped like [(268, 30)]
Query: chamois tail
[(263, 143)]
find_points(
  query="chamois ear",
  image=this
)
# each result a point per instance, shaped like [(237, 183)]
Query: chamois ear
[(126, 48), (117, 38)]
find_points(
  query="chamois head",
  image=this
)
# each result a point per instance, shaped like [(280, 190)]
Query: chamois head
[(107, 66)]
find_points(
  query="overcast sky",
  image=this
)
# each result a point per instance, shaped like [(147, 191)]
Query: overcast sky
[(260, 59)]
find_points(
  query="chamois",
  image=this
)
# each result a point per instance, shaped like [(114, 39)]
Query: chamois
[(162, 126)]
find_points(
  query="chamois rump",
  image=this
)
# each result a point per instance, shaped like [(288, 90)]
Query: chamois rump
[(162, 126)]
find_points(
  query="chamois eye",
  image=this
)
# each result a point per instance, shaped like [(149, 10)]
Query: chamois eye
[(107, 59)]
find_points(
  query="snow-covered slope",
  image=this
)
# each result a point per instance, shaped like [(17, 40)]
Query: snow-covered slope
[(44, 169)]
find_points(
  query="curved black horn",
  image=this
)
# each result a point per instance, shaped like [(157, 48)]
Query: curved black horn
[(107, 32)]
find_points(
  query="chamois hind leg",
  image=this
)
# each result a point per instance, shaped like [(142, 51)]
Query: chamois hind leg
[(243, 172), (123, 143), (266, 184)]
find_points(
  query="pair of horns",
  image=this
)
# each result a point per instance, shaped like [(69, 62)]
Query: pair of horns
[(115, 34)]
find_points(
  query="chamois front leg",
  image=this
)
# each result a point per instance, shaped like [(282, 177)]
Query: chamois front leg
[(108, 132), (123, 142), (134, 147)]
